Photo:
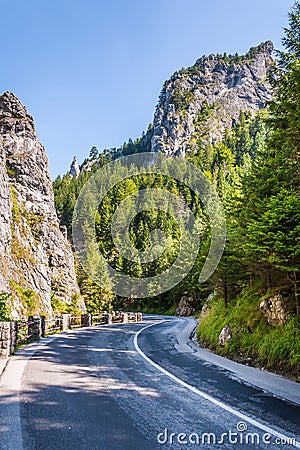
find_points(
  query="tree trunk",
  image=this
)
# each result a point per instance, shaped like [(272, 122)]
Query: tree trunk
[(225, 290), (296, 283)]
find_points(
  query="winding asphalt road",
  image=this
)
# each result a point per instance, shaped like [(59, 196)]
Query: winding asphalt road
[(141, 386)]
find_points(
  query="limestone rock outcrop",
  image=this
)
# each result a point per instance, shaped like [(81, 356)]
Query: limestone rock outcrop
[(74, 168), (36, 258), (198, 104), (277, 308), (185, 306), (225, 336), (208, 98)]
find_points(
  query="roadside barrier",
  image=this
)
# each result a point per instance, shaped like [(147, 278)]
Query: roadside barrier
[(18, 332)]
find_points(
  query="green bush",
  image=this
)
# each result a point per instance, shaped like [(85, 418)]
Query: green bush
[(29, 298), (61, 307), (5, 309), (252, 336)]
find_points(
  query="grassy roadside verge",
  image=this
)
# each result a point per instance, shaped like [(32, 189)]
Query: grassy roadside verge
[(254, 341)]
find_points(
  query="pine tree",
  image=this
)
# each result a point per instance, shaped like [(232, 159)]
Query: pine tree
[(271, 215), (93, 152)]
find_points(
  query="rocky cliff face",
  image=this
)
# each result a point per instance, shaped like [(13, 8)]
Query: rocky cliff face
[(208, 98), (197, 104), (36, 258)]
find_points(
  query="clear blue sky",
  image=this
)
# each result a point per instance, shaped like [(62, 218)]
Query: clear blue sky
[(90, 71)]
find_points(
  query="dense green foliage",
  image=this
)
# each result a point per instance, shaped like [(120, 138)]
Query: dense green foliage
[(61, 307), (224, 164), (264, 231), (5, 309), (253, 340), (270, 219), (256, 172)]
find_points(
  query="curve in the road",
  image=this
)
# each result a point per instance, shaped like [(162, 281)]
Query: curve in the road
[(203, 394), (117, 387)]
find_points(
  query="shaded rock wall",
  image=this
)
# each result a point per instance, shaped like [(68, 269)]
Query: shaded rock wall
[(36, 258)]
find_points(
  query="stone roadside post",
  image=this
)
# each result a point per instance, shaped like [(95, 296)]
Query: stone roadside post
[(65, 323), (107, 318), (86, 320), (35, 327), (8, 338), (125, 317)]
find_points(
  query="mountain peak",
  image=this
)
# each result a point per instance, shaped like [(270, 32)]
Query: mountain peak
[(10, 103), (225, 84), (264, 47)]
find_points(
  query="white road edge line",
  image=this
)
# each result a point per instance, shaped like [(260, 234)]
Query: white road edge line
[(203, 394)]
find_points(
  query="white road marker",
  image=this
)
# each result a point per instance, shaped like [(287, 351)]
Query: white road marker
[(203, 394)]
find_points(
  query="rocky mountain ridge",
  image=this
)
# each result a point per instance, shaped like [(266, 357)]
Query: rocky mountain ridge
[(209, 97), (204, 101), (36, 258)]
